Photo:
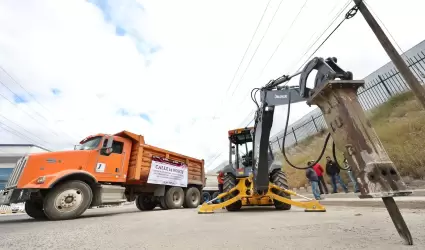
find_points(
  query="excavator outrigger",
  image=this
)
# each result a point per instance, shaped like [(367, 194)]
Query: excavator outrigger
[(335, 93)]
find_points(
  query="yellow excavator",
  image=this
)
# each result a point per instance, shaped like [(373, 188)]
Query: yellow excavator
[(241, 188)]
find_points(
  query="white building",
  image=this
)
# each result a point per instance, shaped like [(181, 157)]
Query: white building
[(10, 154)]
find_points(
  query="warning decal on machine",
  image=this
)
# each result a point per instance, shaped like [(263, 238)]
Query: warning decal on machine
[(168, 172)]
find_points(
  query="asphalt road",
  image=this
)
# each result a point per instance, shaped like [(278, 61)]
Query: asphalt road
[(255, 228)]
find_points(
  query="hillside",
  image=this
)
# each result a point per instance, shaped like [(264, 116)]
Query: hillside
[(400, 124)]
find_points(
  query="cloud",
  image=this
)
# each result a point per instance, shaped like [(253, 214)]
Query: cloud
[(19, 99), (55, 91), (163, 69), (145, 117)]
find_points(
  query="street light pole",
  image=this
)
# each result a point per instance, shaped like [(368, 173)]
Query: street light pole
[(398, 61)]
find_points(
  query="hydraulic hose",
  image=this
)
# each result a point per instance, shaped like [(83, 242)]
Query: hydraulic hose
[(284, 138), (335, 159)]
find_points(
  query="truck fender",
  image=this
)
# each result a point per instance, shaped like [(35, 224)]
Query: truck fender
[(71, 175)]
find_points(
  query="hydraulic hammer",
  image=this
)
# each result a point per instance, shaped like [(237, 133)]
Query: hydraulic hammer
[(354, 135)]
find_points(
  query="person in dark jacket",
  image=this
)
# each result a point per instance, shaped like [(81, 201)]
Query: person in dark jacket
[(314, 181), (332, 170)]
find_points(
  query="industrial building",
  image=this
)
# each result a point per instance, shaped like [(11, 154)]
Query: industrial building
[(10, 154)]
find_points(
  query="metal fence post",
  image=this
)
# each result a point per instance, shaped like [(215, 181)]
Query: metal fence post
[(295, 137), (312, 118), (385, 85), (278, 143)]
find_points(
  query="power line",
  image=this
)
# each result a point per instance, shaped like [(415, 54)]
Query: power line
[(244, 55), (280, 43), (385, 27), (17, 83), (256, 49), (283, 37), (332, 22), (19, 134), (17, 125)]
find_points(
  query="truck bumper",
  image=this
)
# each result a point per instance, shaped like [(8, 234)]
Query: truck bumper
[(11, 196)]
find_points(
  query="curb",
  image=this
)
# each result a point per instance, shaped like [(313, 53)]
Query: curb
[(416, 193), (402, 202)]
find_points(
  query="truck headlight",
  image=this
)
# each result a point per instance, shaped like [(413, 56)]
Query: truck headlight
[(41, 179)]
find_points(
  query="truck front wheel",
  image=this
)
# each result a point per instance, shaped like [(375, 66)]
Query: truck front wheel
[(34, 209), (67, 200)]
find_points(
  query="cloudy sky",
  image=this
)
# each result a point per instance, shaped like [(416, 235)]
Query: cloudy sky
[(166, 69)]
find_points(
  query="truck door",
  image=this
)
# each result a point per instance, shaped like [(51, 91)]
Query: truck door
[(110, 167)]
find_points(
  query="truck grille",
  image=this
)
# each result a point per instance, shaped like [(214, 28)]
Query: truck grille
[(16, 173)]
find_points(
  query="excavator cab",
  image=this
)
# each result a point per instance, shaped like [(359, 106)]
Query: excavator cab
[(240, 152)]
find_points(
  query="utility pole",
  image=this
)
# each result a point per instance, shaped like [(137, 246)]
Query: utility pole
[(398, 61)]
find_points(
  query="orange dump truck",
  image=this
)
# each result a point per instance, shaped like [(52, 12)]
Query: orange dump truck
[(104, 169)]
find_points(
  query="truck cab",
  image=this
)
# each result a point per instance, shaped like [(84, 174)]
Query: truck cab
[(96, 160)]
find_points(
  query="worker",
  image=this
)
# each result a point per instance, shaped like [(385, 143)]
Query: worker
[(350, 174), (314, 180), (333, 171), (319, 171), (220, 178)]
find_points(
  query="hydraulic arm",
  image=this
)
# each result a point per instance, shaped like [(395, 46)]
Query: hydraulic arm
[(273, 95)]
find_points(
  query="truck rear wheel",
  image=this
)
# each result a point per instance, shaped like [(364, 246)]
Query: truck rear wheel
[(278, 178), (68, 200), (192, 198), (174, 197), (145, 202), (34, 209), (162, 204), (228, 184)]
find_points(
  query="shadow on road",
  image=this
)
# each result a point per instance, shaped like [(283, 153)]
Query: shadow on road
[(261, 209), (23, 218)]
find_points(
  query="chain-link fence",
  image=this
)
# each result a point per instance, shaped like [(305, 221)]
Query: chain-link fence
[(379, 87)]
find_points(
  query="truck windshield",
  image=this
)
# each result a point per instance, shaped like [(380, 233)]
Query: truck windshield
[(89, 144)]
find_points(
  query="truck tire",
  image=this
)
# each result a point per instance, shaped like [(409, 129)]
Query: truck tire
[(206, 197), (174, 197), (34, 209), (162, 204), (214, 195), (67, 200), (278, 178), (229, 183), (145, 202), (192, 198)]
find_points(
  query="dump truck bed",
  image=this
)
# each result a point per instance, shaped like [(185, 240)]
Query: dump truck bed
[(141, 160)]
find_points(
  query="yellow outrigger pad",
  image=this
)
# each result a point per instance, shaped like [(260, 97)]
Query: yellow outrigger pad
[(310, 205)]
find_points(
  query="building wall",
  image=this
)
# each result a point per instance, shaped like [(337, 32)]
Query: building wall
[(9, 156)]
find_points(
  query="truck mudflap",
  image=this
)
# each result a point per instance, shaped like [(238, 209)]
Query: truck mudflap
[(11, 196)]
